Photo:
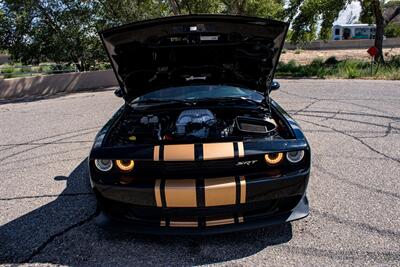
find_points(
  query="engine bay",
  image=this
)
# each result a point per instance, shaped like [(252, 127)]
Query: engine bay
[(191, 125)]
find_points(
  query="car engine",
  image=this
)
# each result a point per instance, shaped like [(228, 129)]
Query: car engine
[(190, 125)]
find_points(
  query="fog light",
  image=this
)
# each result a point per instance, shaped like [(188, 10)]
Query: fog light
[(103, 165), (273, 158), (295, 156), (125, 165)]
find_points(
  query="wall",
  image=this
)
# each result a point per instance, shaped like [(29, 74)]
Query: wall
[(344, 44), (52, 84), (4, 58)]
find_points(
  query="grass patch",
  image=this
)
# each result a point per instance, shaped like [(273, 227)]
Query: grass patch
[(348, 69)]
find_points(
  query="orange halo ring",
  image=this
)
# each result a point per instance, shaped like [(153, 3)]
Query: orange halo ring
[(123, 166), (277, 158)]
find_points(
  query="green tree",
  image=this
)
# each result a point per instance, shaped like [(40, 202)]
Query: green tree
[(66, 30), (273, 9), (308, 14), (376, 9), (58, 30)]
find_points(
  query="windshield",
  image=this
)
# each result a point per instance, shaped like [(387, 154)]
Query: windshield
[(200, 92)]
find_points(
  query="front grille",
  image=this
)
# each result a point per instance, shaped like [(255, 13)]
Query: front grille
[(194, 169)]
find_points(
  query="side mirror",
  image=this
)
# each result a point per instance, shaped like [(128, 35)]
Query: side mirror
[(118, 92), (275, 86)]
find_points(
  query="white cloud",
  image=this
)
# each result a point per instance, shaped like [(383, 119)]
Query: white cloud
[(349, 15)]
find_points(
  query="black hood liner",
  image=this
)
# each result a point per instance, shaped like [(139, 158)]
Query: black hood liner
[(194, 49)]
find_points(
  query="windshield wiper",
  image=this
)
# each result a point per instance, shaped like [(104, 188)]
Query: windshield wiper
[(230, 99)]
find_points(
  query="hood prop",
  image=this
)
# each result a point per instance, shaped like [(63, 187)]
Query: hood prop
[(267, 99)]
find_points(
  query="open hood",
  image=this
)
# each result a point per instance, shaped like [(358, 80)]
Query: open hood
[(195, 49)]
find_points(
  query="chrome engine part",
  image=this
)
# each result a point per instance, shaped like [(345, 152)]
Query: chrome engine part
[(195, 123)]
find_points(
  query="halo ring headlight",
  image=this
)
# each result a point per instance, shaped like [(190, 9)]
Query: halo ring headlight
[(295, 156), (103, 165), (273, 158), (125, 165)]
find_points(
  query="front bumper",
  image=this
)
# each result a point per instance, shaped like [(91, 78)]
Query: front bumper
[(211, 205), (109, 223)]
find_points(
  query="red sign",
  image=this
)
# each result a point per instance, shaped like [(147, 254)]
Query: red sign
[(372, 51)]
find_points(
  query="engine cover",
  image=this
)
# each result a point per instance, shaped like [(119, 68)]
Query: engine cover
[(194, 123)]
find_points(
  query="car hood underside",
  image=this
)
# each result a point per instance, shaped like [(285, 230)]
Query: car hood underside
[(194, 49)]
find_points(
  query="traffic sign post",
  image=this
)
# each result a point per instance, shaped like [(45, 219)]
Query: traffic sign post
[(372, 51)]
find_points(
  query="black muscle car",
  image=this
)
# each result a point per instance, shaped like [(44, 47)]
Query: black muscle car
[(198, 146)]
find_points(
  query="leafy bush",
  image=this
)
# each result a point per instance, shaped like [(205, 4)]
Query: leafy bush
[(8, 70), (394, 61), (9, 75), (25, 69), (350, 69), (392, 30), (60, 68), (331, 61)]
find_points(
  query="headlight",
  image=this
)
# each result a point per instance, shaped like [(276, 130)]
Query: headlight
[(125, 165), (273, 158), (103, 165), (295, 156)]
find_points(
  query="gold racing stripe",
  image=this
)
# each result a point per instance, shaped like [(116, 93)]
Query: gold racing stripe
[(240, 149), (220, 191), (220, 222), (179, 152), (157, 193), (242, 190), (183, 223), (156, 153), (214, 151), (180, 193)]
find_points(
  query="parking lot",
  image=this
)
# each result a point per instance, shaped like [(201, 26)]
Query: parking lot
[(353, 126)]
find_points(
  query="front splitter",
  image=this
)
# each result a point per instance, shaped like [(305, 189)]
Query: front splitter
[(300, 211)]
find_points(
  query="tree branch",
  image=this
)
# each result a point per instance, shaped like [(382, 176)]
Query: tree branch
[(175, 7), (393, 16)]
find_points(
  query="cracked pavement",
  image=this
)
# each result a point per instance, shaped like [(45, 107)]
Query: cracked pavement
[(353, 126)]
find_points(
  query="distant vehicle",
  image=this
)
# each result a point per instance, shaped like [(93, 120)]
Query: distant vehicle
[(353, 31)]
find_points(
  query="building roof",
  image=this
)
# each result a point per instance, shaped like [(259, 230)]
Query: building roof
[(354, 25)]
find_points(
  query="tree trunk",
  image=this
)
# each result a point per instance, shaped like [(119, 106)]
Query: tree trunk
[(380, 30), (175, 7)]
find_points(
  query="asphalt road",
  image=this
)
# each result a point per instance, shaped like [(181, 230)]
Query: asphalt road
[(47, 207)]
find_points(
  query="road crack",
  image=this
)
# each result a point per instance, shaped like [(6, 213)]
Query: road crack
[(39, 249), (355, 138), (49, 195), (358, 185)]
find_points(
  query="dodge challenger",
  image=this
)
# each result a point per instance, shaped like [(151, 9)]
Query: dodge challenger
[(198, 147)]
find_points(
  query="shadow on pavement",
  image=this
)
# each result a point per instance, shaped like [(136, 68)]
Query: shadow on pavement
[(63, 232), (50, 95)]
